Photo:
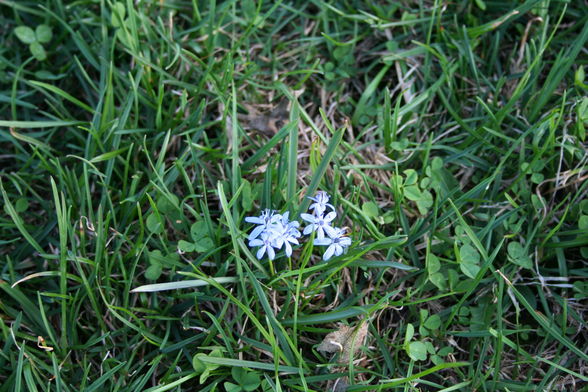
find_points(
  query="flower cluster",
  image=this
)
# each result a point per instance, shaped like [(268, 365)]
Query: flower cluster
[(274, 231), (335, 239)]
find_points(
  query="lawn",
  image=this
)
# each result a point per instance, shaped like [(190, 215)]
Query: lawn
[(293, 195)]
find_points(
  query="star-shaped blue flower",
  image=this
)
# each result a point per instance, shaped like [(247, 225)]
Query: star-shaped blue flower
[(337, 242), (320, 224)]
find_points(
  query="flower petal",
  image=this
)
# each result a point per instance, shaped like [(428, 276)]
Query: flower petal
[(308, 218), (270, 253), (332, 232), (288, 249), (345, 241), (322, 241), (278, 242), (256, 232), (254, 219), (330, 216), (338, 250), (319, 209), (320, 233), (308, 229), (260, 252), (255, 242), (328, 253), (275, 218)]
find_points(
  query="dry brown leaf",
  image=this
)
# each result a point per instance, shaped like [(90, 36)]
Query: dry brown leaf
[(346, 340), (41, 344), (334, 341)]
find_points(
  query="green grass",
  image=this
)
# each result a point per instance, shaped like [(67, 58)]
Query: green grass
[(136, 136)]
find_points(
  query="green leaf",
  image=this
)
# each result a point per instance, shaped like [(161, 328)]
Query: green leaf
[(469, 260), (424, 332), (107, 155), (204, 368), (238, 374), (400, 145), (437, 163), (198, 230), (579, 76), (230, 387), (246, 196), (469, 254), (430, 348), (515, 250), (198, 365), (469, 269), (205, 374), (481, 4), (438, 280), (537, 203), (66, 96), (122, 37), (37, 124), (25, 34), (382, 264), (370, 209), (423, 313), (412, 192), (433, 264), (46, 75), (537, 178), (583, 222), (417, 351), (411, 177), (219, 361), (433, 322), (251, 382), (118, 14), (518, 255), (153, 272), (186, 246), (248, 380), (37, 51), (21, 205), (203, 244), (437, 360), (425, 202), (168, 205), (154, 224), (43, 33), (409, 333)]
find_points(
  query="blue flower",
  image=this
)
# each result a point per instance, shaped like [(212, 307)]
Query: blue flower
[(337, 243), (285, 233), (320, 224), (265, 244), (264, 221), (273, 231), (321, 202)]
